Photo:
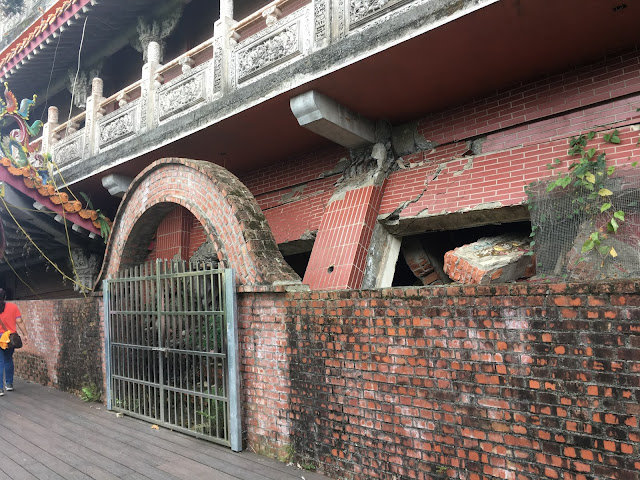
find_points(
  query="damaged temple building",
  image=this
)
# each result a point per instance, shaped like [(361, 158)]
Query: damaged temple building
[(365, 155)]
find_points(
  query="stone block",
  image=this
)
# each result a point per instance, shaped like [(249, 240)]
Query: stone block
[(490, 260)]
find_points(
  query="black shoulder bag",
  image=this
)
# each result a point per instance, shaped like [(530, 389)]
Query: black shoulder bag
[(14, 339)]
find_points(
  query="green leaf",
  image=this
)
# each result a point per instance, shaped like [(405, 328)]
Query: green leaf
[(587, 246), (87, 199), (614, 225), (635, 164), (594, 236), (605, 192), (557, 161), (590, 177), (605, 207), (590, 135), (610, 170), (591, 152), (619, 215), (613, 137), (604, 249)]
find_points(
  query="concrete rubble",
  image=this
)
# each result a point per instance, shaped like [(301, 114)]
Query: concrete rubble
[(497, 259)]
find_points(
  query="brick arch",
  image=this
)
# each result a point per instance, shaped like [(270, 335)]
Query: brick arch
[(227, 210)]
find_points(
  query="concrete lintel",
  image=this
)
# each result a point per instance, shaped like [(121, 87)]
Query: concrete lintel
[(116, 184), (329, 119)]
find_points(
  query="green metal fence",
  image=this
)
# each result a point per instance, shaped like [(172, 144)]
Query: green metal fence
[(171, 343)]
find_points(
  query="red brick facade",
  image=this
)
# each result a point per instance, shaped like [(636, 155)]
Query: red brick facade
[(219, 202), (519, 131), (519, 381), (506, 381)]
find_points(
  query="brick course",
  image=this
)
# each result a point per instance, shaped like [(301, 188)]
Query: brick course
[(514, 381), (521, 381), (221, 204)]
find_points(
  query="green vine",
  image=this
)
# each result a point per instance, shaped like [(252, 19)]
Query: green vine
[(587, 174)]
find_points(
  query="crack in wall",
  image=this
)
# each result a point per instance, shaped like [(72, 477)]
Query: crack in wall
[(394, 217)]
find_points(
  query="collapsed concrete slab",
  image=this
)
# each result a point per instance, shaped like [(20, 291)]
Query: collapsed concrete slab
[(490, 260)]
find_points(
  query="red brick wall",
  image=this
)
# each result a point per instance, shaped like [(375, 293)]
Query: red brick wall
[(576, 89), (293, 194), (521, 381), (66, 343), (508, 381), (173, 236), (467, 182), (523, 129)]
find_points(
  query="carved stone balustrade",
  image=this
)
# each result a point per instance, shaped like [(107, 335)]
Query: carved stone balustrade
[(183, 85)]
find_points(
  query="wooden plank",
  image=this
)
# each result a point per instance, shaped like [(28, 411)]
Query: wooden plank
[(14, 471), (34, 461), (66, 442), (80, 438)]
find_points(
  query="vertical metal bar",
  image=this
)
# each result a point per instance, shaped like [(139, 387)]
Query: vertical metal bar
[(233, 376), (107, 339), (161, 325)]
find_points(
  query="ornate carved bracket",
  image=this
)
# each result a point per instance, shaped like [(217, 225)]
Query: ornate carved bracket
[(155, 30)]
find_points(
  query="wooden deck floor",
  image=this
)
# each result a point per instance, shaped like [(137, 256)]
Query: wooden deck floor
[(48, 434)]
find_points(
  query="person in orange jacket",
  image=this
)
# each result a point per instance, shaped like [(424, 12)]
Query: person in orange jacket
[(11, 320)]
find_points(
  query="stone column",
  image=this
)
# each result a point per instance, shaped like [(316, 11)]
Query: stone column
[(222, 51), (91, 117), (48, 128), (149, 85), (226, 9), (321, 23)]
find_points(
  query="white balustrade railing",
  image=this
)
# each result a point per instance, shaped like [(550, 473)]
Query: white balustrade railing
[(239, 53)]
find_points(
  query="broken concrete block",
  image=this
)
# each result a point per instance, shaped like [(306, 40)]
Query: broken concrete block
[(490, 260)]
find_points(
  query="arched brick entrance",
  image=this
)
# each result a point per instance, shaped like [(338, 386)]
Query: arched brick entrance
[(222, 204)]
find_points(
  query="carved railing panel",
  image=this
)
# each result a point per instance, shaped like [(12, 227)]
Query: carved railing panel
[(70, 149), (274, 46), (119, 125), (353, 14), (183, 92)]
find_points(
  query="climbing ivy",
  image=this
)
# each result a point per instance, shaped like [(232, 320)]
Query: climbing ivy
[(586, 174)]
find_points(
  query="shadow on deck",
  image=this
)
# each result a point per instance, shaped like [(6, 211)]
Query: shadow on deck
[(48, 434)]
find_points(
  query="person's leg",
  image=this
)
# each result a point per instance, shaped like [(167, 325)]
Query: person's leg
[(2, 366), (8, 368)]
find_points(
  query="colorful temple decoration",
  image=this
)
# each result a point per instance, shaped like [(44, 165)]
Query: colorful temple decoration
[(23, 158), (46, 22)]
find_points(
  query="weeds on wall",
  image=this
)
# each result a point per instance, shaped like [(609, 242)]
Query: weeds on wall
[(91, 393), (577, 214)]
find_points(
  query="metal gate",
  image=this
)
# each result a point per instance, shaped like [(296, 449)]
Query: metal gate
[(171, 348)]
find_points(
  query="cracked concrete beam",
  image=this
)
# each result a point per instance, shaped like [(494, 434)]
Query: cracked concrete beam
[(329, 119)]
